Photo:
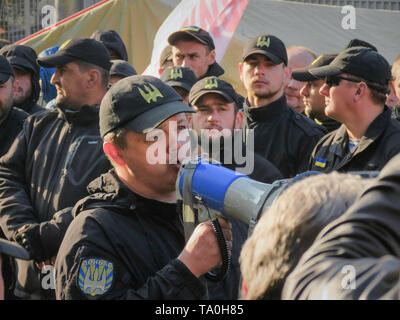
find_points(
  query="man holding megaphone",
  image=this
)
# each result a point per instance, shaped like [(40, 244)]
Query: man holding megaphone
[(127, 240)]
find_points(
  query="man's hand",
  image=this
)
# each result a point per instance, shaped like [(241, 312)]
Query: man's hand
[(201, 253), (29, 237)]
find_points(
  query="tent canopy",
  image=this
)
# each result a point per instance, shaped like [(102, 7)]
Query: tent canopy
[(317, 27)]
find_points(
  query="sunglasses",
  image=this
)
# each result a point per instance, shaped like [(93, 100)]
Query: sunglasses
[(335, 80)]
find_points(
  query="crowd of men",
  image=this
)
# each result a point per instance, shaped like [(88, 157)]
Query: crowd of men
[(83, 190)]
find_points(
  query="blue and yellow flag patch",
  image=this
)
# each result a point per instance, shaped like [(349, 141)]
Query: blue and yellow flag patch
[(95, 276), (319, 162)]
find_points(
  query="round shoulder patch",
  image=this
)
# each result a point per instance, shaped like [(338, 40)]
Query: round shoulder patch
[(95, 276)]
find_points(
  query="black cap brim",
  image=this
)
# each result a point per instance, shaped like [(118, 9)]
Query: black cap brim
[(325, 71), (183, 85), (178, 35), (13, 249), (55, 60), (4, 77), (21, 63), (269, 55), (152, 118), (201, 93), (302, 74)]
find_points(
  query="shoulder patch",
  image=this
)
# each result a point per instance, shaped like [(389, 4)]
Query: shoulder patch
[(95, 276)]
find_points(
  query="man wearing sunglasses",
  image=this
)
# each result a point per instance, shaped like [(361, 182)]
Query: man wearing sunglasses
[(356, 84)]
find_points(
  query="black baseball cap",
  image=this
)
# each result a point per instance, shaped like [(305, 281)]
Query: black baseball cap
[(360, 43), (89, 50), (178, 76), (13, 249), (361, 62), (190, 33), (122, 69), (111, 40), (267, 45), (212, 85), (303, 74), (6, 70), (140, 104)]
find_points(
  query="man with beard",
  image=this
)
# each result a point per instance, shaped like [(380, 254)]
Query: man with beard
[(281, 135), (53, 159), (216, 118), (27, 75), (11, 119)]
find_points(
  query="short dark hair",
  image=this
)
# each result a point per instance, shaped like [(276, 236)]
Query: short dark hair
[(85, 66)]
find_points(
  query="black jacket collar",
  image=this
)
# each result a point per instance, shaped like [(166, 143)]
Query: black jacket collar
[(267, 112), (86, 114), (213, 70)]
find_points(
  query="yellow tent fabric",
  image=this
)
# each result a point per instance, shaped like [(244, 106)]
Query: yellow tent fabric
[(137, 22)]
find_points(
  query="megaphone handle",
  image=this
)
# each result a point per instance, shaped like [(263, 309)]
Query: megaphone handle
[(224, 269)]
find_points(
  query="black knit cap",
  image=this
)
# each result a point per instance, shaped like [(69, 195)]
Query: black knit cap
[(112, 40), (89, 50), (140, 104)]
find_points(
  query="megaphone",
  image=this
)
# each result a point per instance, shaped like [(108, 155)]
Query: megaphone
[(209, 190)]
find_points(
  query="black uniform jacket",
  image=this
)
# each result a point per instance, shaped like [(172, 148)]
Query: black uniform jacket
[(213, 70), (358, 255), (10, 128), (137, 239), (48, 168), (379, 144), (282, 136)]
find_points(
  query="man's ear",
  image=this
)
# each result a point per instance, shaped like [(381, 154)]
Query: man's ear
[(112, 151), (240, 71), (94, 77), (211, 57), (360, 91), (239, 119)]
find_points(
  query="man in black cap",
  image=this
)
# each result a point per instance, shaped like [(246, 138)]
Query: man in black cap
[(126, 240), (54, 158), (281, 135), (218, 117), (181, 79), (11, 119), (27, 75), (120, 69), (194, 48), (113, 42), (315, 102), (356, 84)]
